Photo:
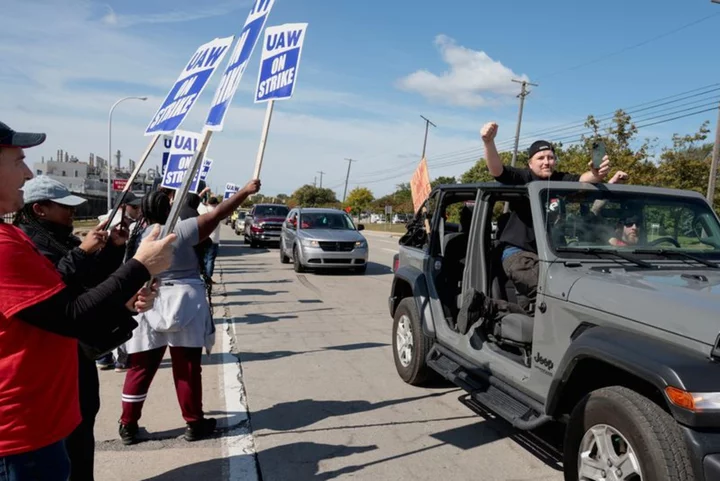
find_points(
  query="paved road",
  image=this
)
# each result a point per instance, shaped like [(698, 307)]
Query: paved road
[(324, 398), (316, 373)]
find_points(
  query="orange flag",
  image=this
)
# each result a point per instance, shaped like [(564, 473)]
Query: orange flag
[(420, 185)]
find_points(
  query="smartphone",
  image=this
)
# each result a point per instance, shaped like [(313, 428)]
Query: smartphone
[(598, 152)]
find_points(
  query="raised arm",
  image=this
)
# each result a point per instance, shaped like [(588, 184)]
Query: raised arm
[(492, 157), (207, 223)]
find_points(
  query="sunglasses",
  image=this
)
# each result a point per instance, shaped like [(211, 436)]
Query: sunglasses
[(630, 223)]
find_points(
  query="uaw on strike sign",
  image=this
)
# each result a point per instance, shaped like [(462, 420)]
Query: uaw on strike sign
[(280, 61), (237, 63), (188, 86), (183, 148)]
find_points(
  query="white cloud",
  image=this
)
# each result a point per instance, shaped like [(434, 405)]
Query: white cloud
[(172, 15), (473, 79), (314, 131)]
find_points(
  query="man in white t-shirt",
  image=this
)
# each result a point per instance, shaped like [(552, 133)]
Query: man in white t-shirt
[(212, 251)]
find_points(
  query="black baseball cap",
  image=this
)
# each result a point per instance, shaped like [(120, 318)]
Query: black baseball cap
[(10, 138), (539, 146), (132, 199)]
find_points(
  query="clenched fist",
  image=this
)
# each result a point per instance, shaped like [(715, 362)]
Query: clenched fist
[(489, 131)]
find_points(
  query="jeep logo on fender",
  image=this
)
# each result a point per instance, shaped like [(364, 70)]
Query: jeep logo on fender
[(543, 361)]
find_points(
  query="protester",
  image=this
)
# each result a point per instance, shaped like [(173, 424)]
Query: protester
[(212, 250), (128, 211), (519, 258), (47, 219), (181, 319), (42, 318)]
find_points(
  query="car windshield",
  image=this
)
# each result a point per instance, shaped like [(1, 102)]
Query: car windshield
[(242, 215), (326, 220), (629, 221), (271, 211)]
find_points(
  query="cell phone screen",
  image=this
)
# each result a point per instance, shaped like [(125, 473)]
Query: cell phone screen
[(598, 152)]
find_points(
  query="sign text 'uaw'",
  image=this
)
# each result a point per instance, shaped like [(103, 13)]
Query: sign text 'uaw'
[(188, 86), (280, 61), (230, 190), (238, 63), (184, 146)]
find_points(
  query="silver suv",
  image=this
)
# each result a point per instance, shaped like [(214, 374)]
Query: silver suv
[(323, 238)]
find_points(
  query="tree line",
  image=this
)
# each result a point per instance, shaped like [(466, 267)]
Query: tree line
[(683, 165)]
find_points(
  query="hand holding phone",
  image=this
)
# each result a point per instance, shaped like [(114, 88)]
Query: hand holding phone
[(598, 153)]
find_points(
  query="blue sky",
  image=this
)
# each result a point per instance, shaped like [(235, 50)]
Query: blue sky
[(369, 70)]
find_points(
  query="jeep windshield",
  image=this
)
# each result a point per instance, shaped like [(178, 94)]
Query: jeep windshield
[(335, 221), (271, 211), (630, 225)]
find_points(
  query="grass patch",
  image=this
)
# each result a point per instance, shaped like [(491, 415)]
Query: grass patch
[(394, 228)]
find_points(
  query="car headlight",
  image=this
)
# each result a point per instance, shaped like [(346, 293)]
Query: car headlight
[(361, 244), (310, 243), (692, 401)]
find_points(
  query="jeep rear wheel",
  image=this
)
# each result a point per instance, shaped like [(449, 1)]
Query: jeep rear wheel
[(410, 344), (618, 434)]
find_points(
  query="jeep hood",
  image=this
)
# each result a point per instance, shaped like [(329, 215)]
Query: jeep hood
[(683, 302)]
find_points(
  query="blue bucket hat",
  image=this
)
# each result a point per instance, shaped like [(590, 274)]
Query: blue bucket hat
[(43, 188)]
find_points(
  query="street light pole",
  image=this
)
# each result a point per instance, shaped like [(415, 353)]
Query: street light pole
[(109, 159)]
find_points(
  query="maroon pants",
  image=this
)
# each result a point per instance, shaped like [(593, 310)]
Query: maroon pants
[(142, 367)]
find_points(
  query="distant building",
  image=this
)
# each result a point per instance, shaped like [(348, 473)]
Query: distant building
[(90, 178)]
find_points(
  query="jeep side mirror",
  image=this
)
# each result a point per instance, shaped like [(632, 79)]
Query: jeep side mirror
[(360, 227)]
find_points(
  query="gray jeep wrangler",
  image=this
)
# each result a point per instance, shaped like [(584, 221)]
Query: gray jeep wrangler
[(621, 345)]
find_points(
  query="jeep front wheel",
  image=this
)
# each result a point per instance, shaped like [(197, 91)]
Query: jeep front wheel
[(410, 345), (618, 434)]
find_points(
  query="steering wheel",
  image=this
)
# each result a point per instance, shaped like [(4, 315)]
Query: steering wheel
[(661, 240)]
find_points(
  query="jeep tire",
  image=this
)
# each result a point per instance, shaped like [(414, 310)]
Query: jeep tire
[(408, 336), (617, 412)]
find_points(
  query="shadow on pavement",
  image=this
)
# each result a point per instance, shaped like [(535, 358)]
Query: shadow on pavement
[(373, 269), (297, 462), (280, 281), (294, 415), (253, 292), (545, 443), (270, 356), (219, 358), (301, 461)]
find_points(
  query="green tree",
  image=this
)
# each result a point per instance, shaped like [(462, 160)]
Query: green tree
[(443, 180), (311, 196), (686, 165), (359, 200)]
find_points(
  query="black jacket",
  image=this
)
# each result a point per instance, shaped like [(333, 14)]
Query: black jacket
[(81, 271)]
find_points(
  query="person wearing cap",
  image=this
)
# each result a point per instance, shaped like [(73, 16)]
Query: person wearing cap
[(47, 219), (131, 207), (43, 316), (519, 258)]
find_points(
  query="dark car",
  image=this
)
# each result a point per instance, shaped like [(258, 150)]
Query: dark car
[(264, 224)]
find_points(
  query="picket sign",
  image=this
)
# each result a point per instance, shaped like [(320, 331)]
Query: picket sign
[(178, 102), (279, 64)]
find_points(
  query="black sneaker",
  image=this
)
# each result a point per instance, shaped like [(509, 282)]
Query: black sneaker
[(128, 433), (200, 429)]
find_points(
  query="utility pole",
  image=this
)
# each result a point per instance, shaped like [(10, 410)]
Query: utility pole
[(347, 178), (315, 182), (321, 176), (524, 92), (427, 126), (714, 165)]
